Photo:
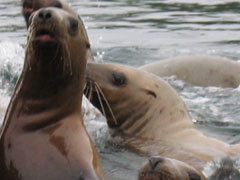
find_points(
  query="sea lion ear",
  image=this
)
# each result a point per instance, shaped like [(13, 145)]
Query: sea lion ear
[(150, 92), (88, 46)]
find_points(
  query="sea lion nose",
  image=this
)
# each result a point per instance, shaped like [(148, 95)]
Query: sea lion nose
[(154, 161), (45, 15)]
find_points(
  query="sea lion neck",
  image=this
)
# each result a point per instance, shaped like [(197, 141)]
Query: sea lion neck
[(42, 95), (49, 78), (49, 88)]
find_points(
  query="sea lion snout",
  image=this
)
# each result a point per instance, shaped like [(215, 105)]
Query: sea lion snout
[(44, 15), (27, 6), (48, 15), (27, 10)]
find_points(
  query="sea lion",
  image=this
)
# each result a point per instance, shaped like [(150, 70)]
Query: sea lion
[(30, 6), (145, 114), (43, 135), (169, 169), (199, 70)]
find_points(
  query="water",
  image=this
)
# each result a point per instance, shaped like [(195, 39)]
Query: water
[(136, 32)]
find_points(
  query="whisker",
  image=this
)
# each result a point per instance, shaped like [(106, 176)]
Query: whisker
[(100, 101), (57, 51), (105, 99), (67, 54), (64, 57), (91, 90), (86, 92), (85, 86), (29, 38)]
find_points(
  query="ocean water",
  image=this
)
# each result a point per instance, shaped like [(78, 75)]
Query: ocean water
[(136, 32)]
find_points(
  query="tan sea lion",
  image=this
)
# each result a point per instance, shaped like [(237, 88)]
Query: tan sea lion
[(199, 70), (169, 169), (30, 6), (145, 114), (43, 135)]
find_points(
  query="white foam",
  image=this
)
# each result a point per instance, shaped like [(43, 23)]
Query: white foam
[(11, 52), (226, 167), (4, 100)]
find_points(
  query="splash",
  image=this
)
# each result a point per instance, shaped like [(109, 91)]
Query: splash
[(11, 61), (4, 100), (223, 169)]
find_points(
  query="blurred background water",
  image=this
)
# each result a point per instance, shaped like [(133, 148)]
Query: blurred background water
[(136, 32)]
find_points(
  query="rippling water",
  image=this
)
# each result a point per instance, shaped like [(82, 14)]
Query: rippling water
[(136, 32)]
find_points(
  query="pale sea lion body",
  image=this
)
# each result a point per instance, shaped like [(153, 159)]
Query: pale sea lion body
[(198, 70), (148, 116), (30, 6), (43, 135)]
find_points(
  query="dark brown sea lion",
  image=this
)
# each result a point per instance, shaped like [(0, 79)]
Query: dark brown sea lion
[(162, 168), (30, 6), (199, 70), (145, 114), (43, 135)]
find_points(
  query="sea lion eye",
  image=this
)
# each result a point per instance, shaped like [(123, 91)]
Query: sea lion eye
[(194, 176), (57, 4), (73, 24), (118, 79)]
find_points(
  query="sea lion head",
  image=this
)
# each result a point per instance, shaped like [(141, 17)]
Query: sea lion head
[(167, 169), (31, 6), (56, 38), (131, 99)]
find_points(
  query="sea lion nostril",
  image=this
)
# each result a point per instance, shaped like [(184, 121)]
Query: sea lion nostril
[(81, 178), (154, 161), (48, 15)]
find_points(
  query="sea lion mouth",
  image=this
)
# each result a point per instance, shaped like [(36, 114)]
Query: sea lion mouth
[(27, 10), (46, 41), (44, 34)]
